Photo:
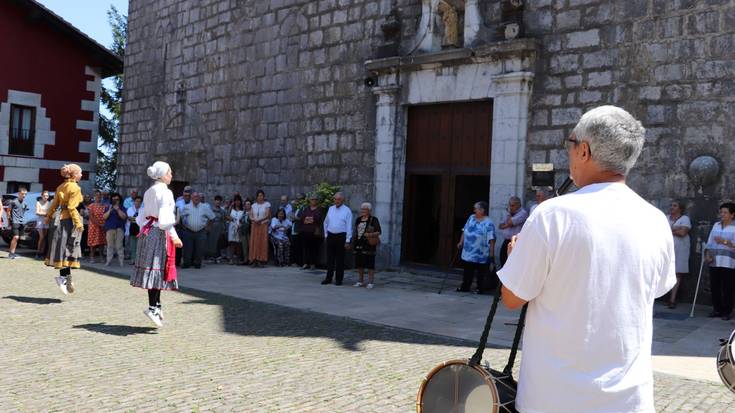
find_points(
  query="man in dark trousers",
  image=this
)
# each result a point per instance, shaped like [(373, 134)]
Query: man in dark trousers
[(18, 209), (338, 232)]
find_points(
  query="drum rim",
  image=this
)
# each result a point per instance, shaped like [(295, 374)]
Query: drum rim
[(718, 361), (730, 343), (484, 373)]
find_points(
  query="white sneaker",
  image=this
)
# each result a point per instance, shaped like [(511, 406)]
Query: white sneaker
[(154, 315), (370, 286), (107, 264), (61, 282), (358, 284)]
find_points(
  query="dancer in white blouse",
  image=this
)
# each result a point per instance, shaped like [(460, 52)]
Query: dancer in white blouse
[(155, 268)]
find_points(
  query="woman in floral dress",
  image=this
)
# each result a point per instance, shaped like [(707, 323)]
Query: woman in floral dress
[(96, 235)]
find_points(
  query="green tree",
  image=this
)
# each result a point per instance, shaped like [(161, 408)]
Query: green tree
[(109, 130)]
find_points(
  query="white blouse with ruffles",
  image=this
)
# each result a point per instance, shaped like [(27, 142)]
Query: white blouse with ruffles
[(158, 201)]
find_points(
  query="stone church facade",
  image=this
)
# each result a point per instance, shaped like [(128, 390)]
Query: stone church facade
[(422, 106)]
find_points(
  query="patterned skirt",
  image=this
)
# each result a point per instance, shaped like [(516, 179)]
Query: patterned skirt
[(150, 262), (65, 248)]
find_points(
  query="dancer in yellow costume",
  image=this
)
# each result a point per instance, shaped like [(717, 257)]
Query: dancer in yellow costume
[(66, 224)]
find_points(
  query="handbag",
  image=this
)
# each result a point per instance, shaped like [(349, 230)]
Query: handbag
[(373, 238)]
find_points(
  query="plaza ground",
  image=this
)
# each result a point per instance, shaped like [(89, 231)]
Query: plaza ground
[(274, 340)]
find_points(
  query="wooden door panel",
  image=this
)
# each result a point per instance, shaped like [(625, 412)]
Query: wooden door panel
[(444, 142)]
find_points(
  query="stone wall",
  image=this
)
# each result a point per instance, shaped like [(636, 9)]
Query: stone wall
[(671, 64), (668, 62), (246, 94)]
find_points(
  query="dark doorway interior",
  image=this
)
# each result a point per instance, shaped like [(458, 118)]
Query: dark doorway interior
[(177, 187), (447, 171), (468, 190)]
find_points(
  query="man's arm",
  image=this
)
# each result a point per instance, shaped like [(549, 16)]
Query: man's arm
[(510, 300)]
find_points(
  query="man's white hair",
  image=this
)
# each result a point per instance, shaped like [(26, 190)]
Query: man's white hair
[(366, 205), (615, 137)]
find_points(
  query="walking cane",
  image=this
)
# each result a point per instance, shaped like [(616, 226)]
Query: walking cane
[(446, 273), (699, 278)]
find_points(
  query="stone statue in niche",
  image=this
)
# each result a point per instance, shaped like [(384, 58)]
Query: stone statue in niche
[(450, 20)]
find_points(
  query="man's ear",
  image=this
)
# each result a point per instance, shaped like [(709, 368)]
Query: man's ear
[(586, 151)]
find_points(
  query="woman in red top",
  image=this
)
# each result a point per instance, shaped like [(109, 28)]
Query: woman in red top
[(96, 235)]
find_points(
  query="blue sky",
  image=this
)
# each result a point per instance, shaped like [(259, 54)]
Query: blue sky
[(89, 16)]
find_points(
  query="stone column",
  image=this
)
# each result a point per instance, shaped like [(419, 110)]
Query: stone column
[(472, 20), (385, 207), (510, 126)]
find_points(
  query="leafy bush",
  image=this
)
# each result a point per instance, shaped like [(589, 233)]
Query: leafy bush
[(324, 191)]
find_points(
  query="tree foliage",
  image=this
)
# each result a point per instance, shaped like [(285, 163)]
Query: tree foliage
[(325, 191), (109, 128)]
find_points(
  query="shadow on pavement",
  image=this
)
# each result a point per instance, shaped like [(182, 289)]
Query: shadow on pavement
[(116, 330), (253, 318), (33, 300)]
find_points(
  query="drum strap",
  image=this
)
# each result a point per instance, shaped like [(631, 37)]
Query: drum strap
[(516, 341), (477, 357)]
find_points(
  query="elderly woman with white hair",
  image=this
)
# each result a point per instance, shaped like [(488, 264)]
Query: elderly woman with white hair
[(155, 268), (365, 242), (65, 249), (477, 244)]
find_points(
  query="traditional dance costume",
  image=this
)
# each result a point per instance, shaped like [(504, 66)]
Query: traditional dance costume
[(65, 248), (155, 268)]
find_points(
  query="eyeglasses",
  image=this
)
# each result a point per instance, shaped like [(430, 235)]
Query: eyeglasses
[(575, 142)]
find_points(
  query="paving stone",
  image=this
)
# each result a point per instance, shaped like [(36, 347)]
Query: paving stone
[(95, 351)]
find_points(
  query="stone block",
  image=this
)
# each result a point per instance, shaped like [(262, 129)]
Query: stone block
[(549, 100), (693, 112), (568, 19), (539, 21), (571, 82), (655, 52), (599, 14), (565, 116), (650, 93), (723, 46), (702, 23), (658, 114), (669, 27), (712, 134), (667, 73), (599, 59), (553, 137), (630, 9), (599, 79), (540, 117), (576, 40), (564, 63), (590, 96)]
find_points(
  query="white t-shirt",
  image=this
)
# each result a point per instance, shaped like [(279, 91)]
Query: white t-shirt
[(590, 264)]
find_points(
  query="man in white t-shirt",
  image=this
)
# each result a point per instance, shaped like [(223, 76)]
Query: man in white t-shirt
[(589, 265)]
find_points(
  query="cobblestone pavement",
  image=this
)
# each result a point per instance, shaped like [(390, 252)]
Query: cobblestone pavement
[(96, 351)]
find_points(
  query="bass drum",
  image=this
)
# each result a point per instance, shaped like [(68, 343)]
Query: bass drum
[(456, 386), (725, 360)]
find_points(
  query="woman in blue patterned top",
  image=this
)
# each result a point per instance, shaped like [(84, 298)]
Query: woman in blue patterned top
[(478, 247)]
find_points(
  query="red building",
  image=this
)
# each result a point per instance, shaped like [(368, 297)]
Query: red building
[(50, 82)]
